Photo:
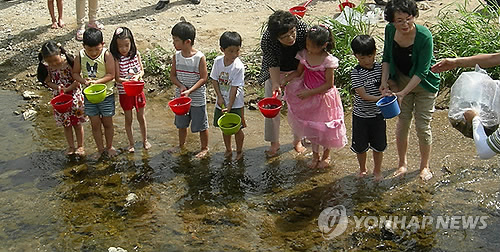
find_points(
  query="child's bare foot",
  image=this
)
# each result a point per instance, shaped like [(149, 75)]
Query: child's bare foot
[(378, 176), (325, 163), (54, 25), (131, 149), (80, 151), (202, 153), (70, 151), (228, 154), (425, 174), (112, 152), (176, 149), (299, 148), (61, 23), (313, 163), (146, 145), (239, 155), (400, 172), (362, 174)]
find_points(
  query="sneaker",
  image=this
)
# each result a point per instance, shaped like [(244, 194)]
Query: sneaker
[(79, 34), (96, 24), (161, 4)]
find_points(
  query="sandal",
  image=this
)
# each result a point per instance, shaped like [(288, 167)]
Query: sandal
[(96, 24), (79, 34)]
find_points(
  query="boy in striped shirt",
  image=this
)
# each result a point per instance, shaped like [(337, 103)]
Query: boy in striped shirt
[(368, 124), (189, 73)]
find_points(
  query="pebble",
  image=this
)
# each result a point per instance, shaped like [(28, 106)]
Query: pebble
[(131, 199), (28, 95), (117, 249), (29, 114)]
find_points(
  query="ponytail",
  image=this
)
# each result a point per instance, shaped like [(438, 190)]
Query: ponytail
[(41, 72), (69, 57)]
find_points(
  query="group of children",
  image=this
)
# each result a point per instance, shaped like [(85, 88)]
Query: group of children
[(315, 110), (95, 65)]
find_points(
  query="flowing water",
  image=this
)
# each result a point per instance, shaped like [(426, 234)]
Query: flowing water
[(49, 202)]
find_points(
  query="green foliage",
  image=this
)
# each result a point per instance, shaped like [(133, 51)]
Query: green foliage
[(343, 35), (210, 57), (158, 62), (465, 33)]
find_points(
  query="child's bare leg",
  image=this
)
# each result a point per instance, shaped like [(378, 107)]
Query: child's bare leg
[(95, 122), (109, 131), (182, 140), (314, 161), (50, 4), (144, 130), (204, 144), (68, 133), (362, 164), (60, 21), (297, 144), (227, 143), (377, 169), (128, 128), (325, 159), (79, 139), (239, 138)]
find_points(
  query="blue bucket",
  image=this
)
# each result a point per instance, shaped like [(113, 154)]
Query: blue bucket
[(389, 106)]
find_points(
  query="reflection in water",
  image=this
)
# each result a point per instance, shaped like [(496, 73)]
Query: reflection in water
[(175, 202)]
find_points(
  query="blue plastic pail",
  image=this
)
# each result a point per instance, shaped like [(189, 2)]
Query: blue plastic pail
[(389, 106)]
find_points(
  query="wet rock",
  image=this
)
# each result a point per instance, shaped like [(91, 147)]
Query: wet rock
[(17, 112), (388, 231), (117, 249), (114, 180), (131, 199), (28, 95), (13, 80), (29, 115)]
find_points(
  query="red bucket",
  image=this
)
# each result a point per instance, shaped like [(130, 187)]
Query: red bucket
[(62, 103), (299, 10), (346, 4), (270, 107), (180, 105), (133, 88)]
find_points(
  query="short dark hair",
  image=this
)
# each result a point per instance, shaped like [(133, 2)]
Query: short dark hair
[(92, 37), (363, 45), (229, 38), (184, 30), (406, 6), (280, 22)]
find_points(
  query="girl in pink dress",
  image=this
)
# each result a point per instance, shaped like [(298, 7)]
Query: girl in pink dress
[(314, 107), (55, 71)]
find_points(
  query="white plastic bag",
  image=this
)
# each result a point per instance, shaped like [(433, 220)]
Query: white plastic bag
[(478, 91)]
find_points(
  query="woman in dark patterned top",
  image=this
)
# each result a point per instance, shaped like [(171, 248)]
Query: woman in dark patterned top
[(284, 37)]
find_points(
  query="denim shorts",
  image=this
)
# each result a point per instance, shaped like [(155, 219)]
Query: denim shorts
[(197, 116), (105, 108)]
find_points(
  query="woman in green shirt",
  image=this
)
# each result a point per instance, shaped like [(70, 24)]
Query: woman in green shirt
[(407, 60)]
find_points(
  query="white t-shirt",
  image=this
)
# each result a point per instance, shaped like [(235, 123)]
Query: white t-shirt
[(227, 76)]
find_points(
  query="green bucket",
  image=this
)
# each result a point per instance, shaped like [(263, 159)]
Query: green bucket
[(95, 93), (229, 123)]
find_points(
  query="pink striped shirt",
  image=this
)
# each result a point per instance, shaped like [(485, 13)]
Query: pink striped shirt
[(128, 67)]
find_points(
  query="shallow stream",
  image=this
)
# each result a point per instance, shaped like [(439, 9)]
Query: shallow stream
[(49, 202)]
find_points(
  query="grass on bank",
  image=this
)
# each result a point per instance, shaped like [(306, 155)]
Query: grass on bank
[(460, 32)]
